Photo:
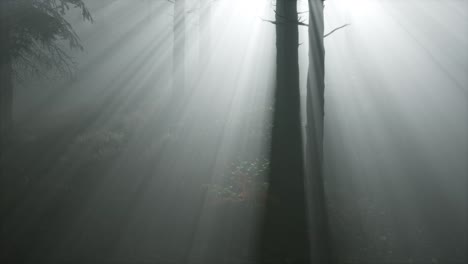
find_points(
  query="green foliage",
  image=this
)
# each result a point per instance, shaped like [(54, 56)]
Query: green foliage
[(34, 33)]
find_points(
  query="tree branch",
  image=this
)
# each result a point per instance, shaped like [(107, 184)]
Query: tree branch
[(338, 28), (299, 23)]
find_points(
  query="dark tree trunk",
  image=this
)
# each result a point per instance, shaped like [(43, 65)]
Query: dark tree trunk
[(6, 99), (318, 216), (6, 80), (284, 235), (178, 63)]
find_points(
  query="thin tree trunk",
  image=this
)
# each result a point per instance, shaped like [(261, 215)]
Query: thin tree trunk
[(6, 99), (204, 28), (318, 216), (178, 63), (178, 93), (6, 80), (6, 105), (284, 236)]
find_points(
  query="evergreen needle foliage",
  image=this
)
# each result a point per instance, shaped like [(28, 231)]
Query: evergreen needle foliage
[(36, 33)]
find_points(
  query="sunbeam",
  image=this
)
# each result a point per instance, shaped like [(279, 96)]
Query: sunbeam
[(233, 131)]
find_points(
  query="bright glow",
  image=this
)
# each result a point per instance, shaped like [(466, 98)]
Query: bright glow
[(250, 8)]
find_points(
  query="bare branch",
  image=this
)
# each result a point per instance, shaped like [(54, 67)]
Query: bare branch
[(299, 23), (338, 28)]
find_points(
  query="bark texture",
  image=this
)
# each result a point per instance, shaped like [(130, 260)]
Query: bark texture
[(285, 238)]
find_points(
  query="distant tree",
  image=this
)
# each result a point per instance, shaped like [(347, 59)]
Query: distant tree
[(34, 37), (204, 21), (178, 63)]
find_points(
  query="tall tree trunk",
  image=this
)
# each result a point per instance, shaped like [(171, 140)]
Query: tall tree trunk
[(178, 93), (178, 63), (6, 99), (284, 235), (6, 105), (6, 78), (204, 28), (318, 216)]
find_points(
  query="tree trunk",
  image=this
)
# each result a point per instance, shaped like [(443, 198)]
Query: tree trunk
[(204, 28), (284, 235), (318, 216), (6, 81), (178, 63), (6, 99)]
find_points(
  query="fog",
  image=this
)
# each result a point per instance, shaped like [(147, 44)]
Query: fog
[(155, 146), (396, 127)]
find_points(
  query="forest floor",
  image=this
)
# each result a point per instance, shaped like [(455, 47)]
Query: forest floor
[(43, 187)]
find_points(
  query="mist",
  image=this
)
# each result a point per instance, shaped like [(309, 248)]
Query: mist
[(221, 131)]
